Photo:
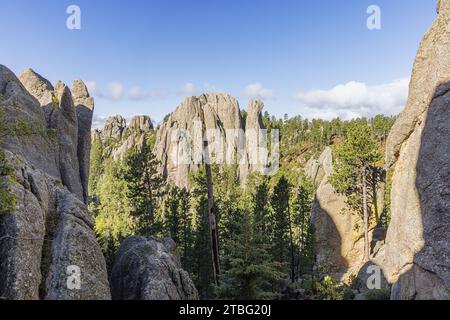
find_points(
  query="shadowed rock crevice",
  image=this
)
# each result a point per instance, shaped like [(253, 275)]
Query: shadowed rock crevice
[(428, 277), (328, 243), (84, 105), (340, 247)]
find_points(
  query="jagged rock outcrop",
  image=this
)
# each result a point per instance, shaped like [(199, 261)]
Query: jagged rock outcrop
[(84, 105), (141, 123), (38, 86), (65, 116), (179, 143), (117, 137), (114, 128), (20, 107), (64, 120), (147, 269), (417, 252), (340, 248), (255, 155), (46, 230)]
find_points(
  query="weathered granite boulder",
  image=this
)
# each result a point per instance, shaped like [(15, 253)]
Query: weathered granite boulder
[(49, 231), (147, 269), (417, 253), (371, 277)]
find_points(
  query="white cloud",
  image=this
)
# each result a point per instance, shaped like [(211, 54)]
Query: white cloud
[(92, 87), (354, 99), (208, 87), (191, 89), (257, 91), (115, 91), (137, 93), (188, 88), (98, 122)]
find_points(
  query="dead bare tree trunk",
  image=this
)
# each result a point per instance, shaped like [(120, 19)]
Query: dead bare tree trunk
[(366, 217), (211, 207), (291, 238)]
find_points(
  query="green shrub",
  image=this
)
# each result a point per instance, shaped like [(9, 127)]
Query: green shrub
[(7, 200), (55, 100), (328, 289), (354, 282), (52, 135), (348, 293), (23, 128)]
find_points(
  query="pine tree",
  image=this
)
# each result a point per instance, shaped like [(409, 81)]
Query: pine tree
[(172, 223), (356, 159), (145, 189), (203, 273), (302, 221), (282, 235), (96, 165), (252, 271), (178, 222), (261, 209), (228, 193), (113, 221), (186, 238)]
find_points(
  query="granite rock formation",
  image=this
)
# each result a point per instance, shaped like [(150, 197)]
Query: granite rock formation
[(417, 255), (147, 269), (179, 143), (117, 137), (340, 248), (47, 231)]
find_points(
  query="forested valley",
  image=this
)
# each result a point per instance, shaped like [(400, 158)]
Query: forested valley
[(265, 234)]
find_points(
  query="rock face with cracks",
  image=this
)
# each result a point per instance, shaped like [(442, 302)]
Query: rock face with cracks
[(147, 269), (340, 248), (179, 140), (416, 257), (47, 232)]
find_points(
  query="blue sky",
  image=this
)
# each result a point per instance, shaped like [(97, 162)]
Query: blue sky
[(310, 58)]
